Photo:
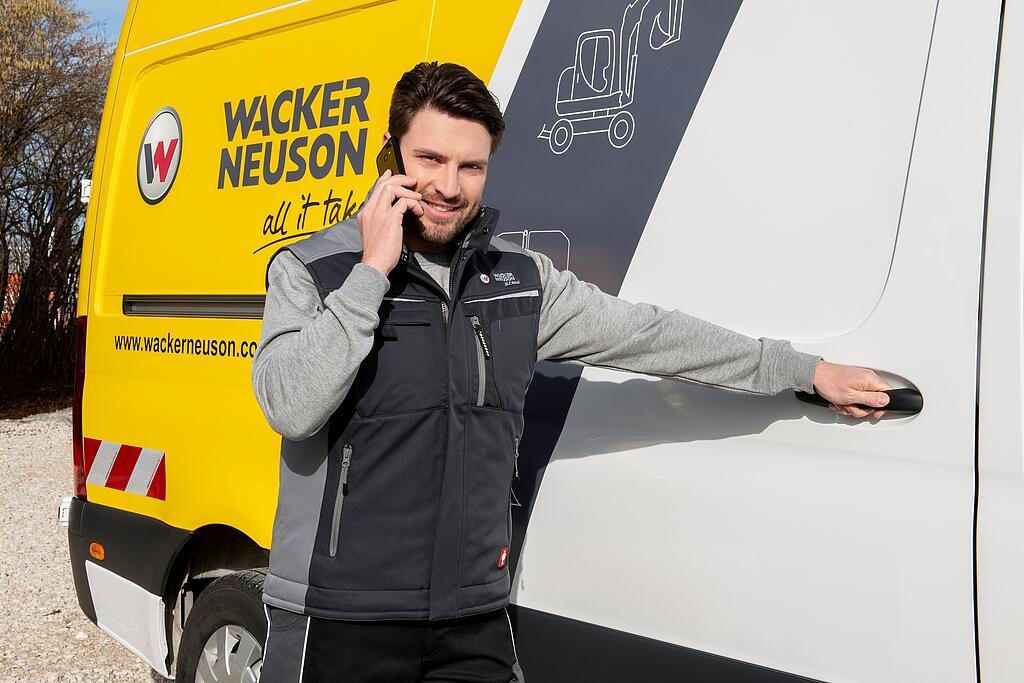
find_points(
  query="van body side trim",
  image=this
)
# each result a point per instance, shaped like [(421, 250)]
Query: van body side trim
[(548, 645), (243, 306)]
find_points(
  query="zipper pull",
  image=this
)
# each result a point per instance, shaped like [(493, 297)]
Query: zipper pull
[(475, 321), (346, 460), (515, 462)]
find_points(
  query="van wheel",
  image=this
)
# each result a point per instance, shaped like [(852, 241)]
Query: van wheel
[(225, 632)]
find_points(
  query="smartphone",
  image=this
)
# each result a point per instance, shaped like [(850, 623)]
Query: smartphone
[(390, 157)]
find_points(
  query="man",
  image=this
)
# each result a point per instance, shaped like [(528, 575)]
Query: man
[(396, 351)]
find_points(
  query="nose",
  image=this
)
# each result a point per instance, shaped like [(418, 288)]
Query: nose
[(447, 183)]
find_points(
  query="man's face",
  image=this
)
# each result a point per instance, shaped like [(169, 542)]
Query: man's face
[(448, 158)]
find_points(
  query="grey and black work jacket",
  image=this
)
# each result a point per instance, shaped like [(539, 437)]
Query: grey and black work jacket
[(395, 478), (409, 481)]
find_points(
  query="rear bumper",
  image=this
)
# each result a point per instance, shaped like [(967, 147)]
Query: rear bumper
[(78, 551), (121, 586), (135, 547)]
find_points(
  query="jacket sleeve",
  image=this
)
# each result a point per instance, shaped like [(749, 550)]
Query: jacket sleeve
[(581, 324), (309, 352)]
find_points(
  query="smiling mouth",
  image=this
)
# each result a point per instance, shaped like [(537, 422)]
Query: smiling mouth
[(443, 209)]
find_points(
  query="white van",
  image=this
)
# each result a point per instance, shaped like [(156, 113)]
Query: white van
[(845, 175)]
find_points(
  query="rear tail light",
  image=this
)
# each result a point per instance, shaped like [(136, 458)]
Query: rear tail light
[(76, 409)]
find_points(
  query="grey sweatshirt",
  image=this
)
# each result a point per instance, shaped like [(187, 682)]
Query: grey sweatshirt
[(310, 351)]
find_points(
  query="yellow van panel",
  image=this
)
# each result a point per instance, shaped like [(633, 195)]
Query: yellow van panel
[(156, 20), (153, 381), (471, 33), (111, 113)]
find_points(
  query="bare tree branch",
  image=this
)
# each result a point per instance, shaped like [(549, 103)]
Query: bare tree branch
[(54, 70)]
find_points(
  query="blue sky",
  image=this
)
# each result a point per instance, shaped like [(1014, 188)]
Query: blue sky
[(108, 14)]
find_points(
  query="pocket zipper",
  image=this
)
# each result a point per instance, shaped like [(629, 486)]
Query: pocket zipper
[(513, 295), (515, 461), (339, 501), (482, 354)]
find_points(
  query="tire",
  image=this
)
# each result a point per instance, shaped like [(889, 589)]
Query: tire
[(227, 619), (620, 130), (561, 136)]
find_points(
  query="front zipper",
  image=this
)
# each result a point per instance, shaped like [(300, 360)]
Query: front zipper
[(339, 501), (482, 354)]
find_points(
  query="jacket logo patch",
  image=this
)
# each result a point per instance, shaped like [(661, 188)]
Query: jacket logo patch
[(508, 278), (484, 278), (503, 558)]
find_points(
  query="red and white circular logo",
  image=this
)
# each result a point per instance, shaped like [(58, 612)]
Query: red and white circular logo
[(159, 155), (484, 278)]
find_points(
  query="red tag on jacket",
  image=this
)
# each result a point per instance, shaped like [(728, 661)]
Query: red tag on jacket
[(503, 557)]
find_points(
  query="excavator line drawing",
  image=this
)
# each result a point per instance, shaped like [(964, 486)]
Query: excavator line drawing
[(554, 244), (594, 94)]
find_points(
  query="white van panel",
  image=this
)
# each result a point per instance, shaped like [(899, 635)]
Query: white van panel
[(792, 170), (762, 529)]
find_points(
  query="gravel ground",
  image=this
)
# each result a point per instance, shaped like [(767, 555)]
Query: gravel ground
[(43, 634)]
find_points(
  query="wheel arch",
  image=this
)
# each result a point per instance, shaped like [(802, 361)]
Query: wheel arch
[(212, 551)]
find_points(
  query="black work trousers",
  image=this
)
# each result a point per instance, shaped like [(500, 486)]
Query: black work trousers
[(301, 649)]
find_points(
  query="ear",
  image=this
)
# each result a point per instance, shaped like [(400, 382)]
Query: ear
[(384, 138)]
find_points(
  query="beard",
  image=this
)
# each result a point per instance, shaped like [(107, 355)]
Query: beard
[(440, 232)]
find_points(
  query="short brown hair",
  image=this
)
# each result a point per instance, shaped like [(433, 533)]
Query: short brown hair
[(450, 89)]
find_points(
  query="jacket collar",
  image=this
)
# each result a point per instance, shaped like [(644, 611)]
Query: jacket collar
[(477, 234)]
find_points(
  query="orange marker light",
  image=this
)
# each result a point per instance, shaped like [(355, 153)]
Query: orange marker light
[(96, 550)]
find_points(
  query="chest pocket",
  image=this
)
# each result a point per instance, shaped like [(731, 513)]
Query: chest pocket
[(504, 327), (405, 370)]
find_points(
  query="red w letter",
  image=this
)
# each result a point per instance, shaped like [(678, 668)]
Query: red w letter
[(163, 161)]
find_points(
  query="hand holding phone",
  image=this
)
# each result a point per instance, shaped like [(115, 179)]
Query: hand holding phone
[(380, 220)]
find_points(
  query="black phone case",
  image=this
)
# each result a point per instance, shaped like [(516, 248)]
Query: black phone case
[(390, 157)]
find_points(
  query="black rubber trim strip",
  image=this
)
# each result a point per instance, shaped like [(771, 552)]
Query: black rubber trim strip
[(554, 648), (135, 547), (78, 552), (244, 306), (977, 372)]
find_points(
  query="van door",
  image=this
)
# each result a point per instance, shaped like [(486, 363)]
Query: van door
[(808, 171), (242, 127)]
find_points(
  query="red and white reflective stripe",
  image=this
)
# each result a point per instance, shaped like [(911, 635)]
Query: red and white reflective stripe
[(126, 468)]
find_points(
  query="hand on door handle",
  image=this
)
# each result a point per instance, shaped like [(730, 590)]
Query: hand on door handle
[(906, 401)]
